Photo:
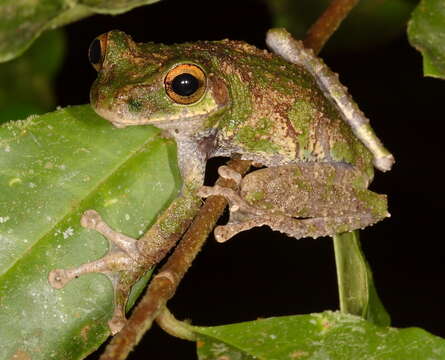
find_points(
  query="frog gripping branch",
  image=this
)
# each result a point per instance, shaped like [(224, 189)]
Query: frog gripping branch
[(224, 98)]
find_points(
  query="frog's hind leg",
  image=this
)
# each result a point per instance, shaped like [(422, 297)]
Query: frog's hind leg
[(122, 265), (297, 228), (304, 200)]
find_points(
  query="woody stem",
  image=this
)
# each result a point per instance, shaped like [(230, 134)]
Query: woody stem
[(163, 286), (320, 32)]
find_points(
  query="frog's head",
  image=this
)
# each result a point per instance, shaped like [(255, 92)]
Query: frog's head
[(172, 87)]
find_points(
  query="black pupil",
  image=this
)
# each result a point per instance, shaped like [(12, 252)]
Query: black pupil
[(94, 53), (185, 84)]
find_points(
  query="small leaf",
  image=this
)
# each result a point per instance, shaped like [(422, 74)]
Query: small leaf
[(21, 22), (25, 83), (426, 32), (357, 292), (52, 169), (328, 335)]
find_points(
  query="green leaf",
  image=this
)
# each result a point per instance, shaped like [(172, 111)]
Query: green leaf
[(25, 83), (328, 335), (357, 292), (426, 32), (53, 168), (21, 22)]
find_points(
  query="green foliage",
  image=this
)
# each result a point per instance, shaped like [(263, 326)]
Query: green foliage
[(22, 22), (328, 335), (25, 83), (426, 33), (356, 288), (52, 169)]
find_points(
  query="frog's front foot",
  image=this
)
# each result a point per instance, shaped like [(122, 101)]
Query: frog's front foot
[(122, 261)]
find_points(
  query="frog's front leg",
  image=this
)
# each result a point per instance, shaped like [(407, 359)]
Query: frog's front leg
[(301, 200), (127, 258)]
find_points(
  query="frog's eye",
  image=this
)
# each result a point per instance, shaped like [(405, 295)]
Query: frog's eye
[(96, 51), (185, 84)]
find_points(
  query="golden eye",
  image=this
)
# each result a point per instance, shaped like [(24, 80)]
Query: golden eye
[(96, 51), (185, 84)]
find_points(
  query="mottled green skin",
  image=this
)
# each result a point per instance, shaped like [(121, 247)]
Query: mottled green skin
[(256, 103), (260, 106)]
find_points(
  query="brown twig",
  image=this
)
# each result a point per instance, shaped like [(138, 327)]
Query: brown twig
[(163, 286), (327, 23)]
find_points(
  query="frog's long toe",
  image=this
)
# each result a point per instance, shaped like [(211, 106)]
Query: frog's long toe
[(118, 321), (236, 202), (114, 261), (226, 232), (92, 220), (243, 216), (227, 172), (58, 278)]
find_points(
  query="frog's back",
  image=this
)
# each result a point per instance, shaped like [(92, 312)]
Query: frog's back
[(278, 113)]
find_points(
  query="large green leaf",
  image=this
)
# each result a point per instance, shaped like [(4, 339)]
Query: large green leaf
[(426, 31), (21, 22), (357, 292), (328, 335), (52, 169)]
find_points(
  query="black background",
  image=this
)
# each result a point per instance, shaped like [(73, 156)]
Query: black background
[(261, 273)]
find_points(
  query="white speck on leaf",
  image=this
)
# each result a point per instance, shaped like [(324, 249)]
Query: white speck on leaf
[(4, 219), (68, 232)]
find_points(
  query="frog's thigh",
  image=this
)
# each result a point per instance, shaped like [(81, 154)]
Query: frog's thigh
[(305, 200), (311, 190)]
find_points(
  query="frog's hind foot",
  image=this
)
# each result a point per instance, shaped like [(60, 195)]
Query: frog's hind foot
[(300, 207), (296, 228), (121, 263), (240, 209)]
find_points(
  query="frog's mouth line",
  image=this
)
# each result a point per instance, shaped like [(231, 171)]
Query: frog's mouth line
[(179, 121)]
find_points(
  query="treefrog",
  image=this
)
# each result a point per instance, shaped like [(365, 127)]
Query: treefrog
[(221, 98)]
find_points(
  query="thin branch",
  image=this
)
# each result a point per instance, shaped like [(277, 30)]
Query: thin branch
[(327, 23), (163, 285)]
